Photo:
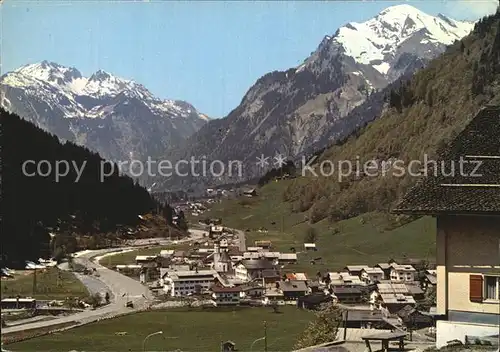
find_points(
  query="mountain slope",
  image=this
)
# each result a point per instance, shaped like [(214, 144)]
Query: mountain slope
[(307, 107), (79, 201), (424, 114), (116, 117)]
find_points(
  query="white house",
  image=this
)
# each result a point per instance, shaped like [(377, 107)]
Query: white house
[(403, 273), (310, 246), (166, 253), (287, 258), (371, 275), (226, 295), (250, 269), (181, 283), (143, 259)]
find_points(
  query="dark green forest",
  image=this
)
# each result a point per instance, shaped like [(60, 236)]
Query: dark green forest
[(32, 207)]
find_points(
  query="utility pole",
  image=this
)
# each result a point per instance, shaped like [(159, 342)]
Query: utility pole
[(34, 281), (345, 323), (265, 336)]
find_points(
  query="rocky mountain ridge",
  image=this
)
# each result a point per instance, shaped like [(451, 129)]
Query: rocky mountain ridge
[(296, 111), (116, 117)]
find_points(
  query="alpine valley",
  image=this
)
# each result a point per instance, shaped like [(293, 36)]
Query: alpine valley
[(342, 85)]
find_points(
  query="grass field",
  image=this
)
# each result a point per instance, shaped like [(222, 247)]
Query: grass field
[(129, 257), (186, 330), (366, 239), (51, 283)]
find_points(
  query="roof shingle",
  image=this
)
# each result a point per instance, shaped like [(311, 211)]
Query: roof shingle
[(462, 191)]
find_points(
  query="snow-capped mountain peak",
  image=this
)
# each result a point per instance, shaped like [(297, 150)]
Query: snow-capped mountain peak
[(115, 116), (377, 40), (50, 72)]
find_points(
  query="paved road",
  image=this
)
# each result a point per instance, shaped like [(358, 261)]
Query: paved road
[(121, 287)]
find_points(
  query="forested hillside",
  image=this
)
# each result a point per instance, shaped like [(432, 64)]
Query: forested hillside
[(33, 206), (424, 114)]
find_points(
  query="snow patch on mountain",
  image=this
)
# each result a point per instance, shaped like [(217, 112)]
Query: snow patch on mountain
[(65, 87), (376, 41)]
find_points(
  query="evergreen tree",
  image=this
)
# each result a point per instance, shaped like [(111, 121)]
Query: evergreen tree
[(32, 204), (168, 214)]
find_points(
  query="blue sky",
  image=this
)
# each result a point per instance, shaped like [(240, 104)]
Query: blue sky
[(205, 52)]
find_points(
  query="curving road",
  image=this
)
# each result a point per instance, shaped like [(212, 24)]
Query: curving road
[(121, 287)]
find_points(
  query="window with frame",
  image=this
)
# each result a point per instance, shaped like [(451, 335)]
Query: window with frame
[(492, 287)]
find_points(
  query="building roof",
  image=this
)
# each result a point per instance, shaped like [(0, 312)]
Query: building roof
[(259, 243), (254, 249), (414, 288), (316, 298), (287, 256), (191, 274), (166, 252), (179, 253), (391, 298), (270, 273), (464, 192), (257, 264), (392, 288), (431, 278), (373, 270), (364, 315), (384, 266), (405, 268), (296, 276), (346, 290), (293, 286), (145, 257), (310, 245), (356, 267), (221, 289)]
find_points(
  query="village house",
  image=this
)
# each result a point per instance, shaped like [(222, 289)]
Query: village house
[(145, 259), (310, 246), (270, 276), (344, 279), (394, 296), (430, 279), (250, 192), (215, 231), (296, 276), (249, 269), (166, 253), (183, 283), (415, 290), (287, 258), (292, 290), (355, 270), (467, 211), (346, 294), (386, 268), (400, 272), (254, 249), (228, 346), (251, 291), (372, 275), (413, 319), (313, 301), (226, 295), (263, 244), (313, 286)]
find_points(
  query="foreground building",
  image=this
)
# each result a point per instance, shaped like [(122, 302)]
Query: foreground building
[(467, 210)]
